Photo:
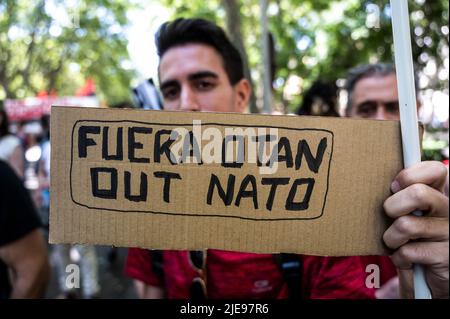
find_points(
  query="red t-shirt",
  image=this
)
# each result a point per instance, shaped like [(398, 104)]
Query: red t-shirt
[(252, 276)]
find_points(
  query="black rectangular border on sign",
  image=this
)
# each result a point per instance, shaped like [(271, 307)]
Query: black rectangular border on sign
[(190, 124)]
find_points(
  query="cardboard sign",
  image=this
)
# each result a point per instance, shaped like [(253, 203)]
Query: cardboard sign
[(250, 183)]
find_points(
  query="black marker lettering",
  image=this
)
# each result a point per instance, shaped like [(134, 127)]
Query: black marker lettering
[(164, 148), (283, 143), (119, 150), (226, 197), (304, 204), (262, 140), (84, 141), (240, 156), (167, 177), (191, 149), (304, 150), (274, 182), (104, 193), (133, 145), (142, 197), (243, 193)]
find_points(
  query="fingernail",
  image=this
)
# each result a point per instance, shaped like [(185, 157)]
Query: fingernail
[(395, 187)]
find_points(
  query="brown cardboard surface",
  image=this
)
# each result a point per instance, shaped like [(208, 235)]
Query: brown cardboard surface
[(110, 187)]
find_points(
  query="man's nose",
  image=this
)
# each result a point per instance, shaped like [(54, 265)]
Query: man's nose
[(188, 100), (381, 113)]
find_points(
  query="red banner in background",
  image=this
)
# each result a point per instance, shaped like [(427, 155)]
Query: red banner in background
[(34, 108)]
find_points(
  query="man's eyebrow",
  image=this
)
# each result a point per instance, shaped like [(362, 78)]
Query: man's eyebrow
[(390, 102), (366, 101), (167, 84), (202, 74), (376, 102), (191, 77)]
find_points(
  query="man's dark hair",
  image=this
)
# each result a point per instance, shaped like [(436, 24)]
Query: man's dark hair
[(184, 31), (4, 123), (324, 92), (367, 71)]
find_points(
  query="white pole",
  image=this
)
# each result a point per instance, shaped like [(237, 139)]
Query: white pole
[(408, 110)]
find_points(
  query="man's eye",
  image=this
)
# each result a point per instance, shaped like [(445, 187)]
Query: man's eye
[(204, 85), (366, 109), (170, 93), (392, 107)]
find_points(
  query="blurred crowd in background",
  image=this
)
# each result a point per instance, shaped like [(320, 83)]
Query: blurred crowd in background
[(83, 58)]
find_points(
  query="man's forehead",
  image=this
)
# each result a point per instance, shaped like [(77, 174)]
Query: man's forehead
[(187, 59), (376, 87)]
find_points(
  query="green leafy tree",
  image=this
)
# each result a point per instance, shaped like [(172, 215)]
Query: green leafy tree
[(51, 46), (322, 39), (328, 38)]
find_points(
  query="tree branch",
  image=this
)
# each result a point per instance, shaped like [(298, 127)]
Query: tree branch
[(30, 50)]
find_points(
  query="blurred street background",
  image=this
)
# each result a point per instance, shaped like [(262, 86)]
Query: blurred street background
[(114, 284)]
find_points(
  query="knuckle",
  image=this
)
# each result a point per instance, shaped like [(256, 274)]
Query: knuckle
[(405, 225), (418, 192), (387, 239), (404, 178), (440, 169), (404, 253)]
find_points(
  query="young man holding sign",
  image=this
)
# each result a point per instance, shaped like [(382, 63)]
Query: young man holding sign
[(200, 70)]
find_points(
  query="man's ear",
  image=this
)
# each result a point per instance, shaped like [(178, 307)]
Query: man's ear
[(243, 91)]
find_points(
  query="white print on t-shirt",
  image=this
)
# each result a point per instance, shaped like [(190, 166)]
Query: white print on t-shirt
[(261, 286)]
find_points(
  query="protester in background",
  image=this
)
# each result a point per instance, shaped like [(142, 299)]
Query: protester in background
[(24, 267), (11, 150), (44, 172), (372, 93), (62, 253), (320, 100)]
